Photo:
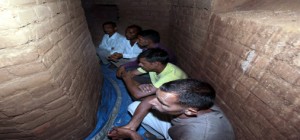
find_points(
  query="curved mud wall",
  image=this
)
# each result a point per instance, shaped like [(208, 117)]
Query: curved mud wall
[(49, 74), (250, 53)]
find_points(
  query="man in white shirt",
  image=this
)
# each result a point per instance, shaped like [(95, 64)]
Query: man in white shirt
[(131, 49), (112, 42)]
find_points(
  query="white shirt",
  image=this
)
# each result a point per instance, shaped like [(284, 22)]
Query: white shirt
[(115, 43), (131, 51)]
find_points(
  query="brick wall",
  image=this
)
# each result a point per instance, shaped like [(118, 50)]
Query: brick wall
[(252, 60), (49, 76), (188, 30), (255, 65)]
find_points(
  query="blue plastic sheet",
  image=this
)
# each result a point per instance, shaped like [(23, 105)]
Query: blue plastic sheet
[(113, 105)]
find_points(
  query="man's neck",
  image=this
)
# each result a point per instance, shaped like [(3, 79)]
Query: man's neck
[(200, 112), (111, 34), (160, 68), (133, 41)]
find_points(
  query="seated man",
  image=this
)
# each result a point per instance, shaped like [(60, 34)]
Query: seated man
[(111, 43), (155, 62), (147, 39), (131, 48), (195, 117)]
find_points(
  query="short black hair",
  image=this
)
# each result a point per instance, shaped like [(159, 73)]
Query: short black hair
[(137, 27), (151, 34), (191, 93), (155, 55), (113, 24)]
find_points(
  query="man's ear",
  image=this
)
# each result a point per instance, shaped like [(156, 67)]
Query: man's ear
[(191, 111), (146, 41)]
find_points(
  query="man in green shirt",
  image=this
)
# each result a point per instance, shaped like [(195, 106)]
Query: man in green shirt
[(155, 63)]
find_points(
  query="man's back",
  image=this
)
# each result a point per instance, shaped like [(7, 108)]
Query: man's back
[(170, 73), (209, 126)]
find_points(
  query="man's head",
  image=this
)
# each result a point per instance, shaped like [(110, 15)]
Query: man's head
[(109, 27), (132, 32), (184, 97), (152, 59), (147, 37)]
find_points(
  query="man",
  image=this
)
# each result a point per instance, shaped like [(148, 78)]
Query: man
[(155, 62), (131, 48), (195, 117), (147, 39), (112, 42)]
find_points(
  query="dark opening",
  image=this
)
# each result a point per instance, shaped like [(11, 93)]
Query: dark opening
[(98, 14)]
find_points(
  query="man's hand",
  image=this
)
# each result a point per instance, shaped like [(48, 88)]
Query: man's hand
[(147, 88), (114, 57), (120, 71), (122, 133), (132, 85)]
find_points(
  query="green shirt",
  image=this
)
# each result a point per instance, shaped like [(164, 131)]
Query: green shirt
[(170, 73)]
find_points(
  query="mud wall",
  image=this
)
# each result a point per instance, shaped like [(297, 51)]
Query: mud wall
[(250, 53), (49, 75)]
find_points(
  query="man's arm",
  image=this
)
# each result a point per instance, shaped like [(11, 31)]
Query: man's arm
[(120, 71), (141, 111), (136, 90), (103, 44)]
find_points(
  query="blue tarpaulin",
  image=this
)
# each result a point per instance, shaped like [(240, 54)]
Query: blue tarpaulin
[(112, 109)]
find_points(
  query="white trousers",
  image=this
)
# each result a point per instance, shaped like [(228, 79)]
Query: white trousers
[(156, 123), (103, 54)]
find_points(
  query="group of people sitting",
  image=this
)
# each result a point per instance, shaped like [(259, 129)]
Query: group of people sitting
[(170, 105)]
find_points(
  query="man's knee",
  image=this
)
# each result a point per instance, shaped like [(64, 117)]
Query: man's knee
[(132, 107)]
